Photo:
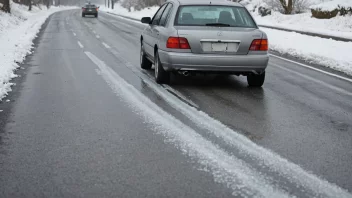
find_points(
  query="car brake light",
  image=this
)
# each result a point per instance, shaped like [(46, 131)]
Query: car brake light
[(83, 9), (259, 45), (97, 9), (177, 43)]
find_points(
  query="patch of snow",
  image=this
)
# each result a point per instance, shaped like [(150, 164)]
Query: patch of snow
[(326, 52), (118, 9), (17, 31), (339, 26), (332, 5)]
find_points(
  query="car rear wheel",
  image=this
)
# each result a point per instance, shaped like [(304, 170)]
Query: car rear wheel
[(145, 63), (96, 15), (256, 80), (83, 15), (161, 76)]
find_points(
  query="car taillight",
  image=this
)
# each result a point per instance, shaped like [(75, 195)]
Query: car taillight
[(259, 45), (177, 43), (97, 9), (83, 9)]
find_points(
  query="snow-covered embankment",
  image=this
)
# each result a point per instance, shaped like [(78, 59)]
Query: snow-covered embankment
[(17, 31)]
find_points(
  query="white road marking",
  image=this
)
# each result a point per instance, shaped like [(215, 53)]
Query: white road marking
[(94, 32), (314, 80), (313, 68), (238, 174), (74, 34), (106, 45), (80, 44), (98, 37)]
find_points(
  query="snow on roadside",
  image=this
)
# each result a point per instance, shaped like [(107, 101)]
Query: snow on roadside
[(326, 52), (17, 31), (339, 26), (118, 9)]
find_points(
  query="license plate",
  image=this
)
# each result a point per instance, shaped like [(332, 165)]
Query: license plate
[(219, 47), (90, 10)]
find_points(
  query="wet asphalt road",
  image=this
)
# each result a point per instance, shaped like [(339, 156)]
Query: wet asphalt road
[(85, 121)]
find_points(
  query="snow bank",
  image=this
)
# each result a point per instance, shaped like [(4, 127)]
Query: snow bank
[(339, 26), (332, 5), (17, 31), (118, 9), (326, 52)]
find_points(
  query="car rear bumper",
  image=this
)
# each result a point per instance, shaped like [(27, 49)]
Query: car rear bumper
[(255, 63), (90, 12)]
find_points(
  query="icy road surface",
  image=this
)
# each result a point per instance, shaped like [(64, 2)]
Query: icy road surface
[(85, 121)]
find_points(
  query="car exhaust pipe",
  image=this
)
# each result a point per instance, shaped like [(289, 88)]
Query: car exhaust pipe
[(185, 73)]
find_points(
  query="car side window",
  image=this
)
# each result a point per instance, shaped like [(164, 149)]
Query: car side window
[(166, 14), (157, 16)]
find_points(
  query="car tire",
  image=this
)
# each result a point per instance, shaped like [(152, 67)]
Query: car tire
[(256, 80), (161, 76), (83, 15), (145, 63), (96, 15)]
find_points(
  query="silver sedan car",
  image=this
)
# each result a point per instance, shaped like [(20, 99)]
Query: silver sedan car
[(193, 36)]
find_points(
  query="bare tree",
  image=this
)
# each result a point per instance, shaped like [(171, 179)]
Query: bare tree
[(288, 6), (113, 3), (129, 4), (29, 5), (6, 6), (140, 4)]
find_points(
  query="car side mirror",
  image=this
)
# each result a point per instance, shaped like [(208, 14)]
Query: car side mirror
[(146, 20)]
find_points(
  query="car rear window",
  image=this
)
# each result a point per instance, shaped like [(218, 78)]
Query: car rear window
[(203, 15), (90, 6)]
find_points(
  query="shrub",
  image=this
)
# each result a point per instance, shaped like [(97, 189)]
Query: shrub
[(322, 14), (263, 11), (344, 11)]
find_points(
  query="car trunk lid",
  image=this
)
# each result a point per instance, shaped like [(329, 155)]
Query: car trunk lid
[(219, 40)]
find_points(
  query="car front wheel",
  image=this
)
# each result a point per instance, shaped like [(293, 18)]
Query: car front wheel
[(161, 76), (256, 80)]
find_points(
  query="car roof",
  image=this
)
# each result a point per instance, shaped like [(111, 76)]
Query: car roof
[(202, 2)]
